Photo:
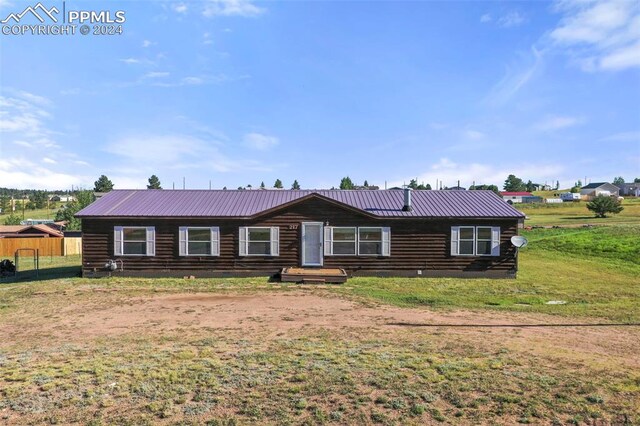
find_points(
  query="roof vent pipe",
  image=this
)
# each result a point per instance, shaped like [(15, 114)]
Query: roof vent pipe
[(407, 200)]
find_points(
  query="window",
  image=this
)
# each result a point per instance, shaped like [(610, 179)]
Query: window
[(259, 241), (351, 241), (475, 241), (199, 241), (134, 241), (370, 241), (344, 241), (483, 241), (467, 237)]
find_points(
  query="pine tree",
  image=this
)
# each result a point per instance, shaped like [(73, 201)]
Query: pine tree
[(346, 183), (278, 184), (154, 183), (103, 184), (513, 184), (295, 184), (4, 204), (262, 185), (365, 184)]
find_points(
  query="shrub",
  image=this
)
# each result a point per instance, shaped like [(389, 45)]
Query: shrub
[(602, 204)]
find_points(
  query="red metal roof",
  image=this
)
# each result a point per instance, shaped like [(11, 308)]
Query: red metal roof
[(222, 203)]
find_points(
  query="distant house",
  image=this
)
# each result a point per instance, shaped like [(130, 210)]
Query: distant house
[(252, 233), (520, 197), (599, 188), (61, 198), (629, 189), (29, 231)]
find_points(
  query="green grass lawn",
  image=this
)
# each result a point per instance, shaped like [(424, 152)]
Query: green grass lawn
[(577, 214)]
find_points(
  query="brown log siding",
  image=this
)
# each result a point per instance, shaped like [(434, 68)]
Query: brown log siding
[(416, 244)]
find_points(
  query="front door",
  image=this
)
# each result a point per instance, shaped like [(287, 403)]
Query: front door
[(312, 244)]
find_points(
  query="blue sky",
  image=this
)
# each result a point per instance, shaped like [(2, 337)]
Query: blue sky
[(238, 92)]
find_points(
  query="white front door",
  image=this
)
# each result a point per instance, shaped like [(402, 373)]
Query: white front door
[(312, 249)]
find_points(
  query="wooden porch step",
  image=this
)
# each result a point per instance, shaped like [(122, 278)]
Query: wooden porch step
[(313, 275)]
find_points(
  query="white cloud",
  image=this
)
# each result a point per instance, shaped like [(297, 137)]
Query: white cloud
[(260, 142), (601, 35), (143, 154), (179, 8), (130, 61), (147, 43), (192, 81), (622, 137), (558, 122), (511, 19), (21, 172), (156, 74), (515, 78), (485, 18), (49, 160), (474, 134), (213, 8), (450, 172)]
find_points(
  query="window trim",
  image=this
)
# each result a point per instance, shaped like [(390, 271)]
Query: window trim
[(477, 240), (213, 231), (355, 241), (147, 240), (455, 230), (274, 241), (472, 239), (385, 241)]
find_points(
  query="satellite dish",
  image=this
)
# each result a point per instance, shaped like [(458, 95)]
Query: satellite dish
[(519, 241)]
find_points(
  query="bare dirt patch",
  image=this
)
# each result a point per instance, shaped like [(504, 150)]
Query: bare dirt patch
[(275, 314)]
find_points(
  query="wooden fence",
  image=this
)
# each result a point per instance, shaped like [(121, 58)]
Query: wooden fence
[(45, 246)]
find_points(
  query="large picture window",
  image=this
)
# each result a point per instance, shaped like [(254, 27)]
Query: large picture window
[(475, 241), (199, 241), (134, 241), (259, 241), (353, 241)]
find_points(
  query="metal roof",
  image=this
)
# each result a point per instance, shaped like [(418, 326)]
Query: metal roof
[(248, 203)]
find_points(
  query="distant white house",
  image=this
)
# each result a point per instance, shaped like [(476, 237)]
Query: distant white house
[(61, 198), (599, 188)]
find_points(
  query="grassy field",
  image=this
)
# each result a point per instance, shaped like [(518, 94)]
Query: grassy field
[(575, 214), (148, 351)]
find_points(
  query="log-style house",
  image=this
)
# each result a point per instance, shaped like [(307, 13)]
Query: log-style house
[(208, 233)]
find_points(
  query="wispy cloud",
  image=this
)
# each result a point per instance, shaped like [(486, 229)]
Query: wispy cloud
[(622, 137), (558, 122), (473, 134), (260, 142), (485, 18), (147, 43), (143, 154), (450, 172), (599, 35), (515, 78), (180, 8), (511, 19), (213, 8), (156, 74)]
